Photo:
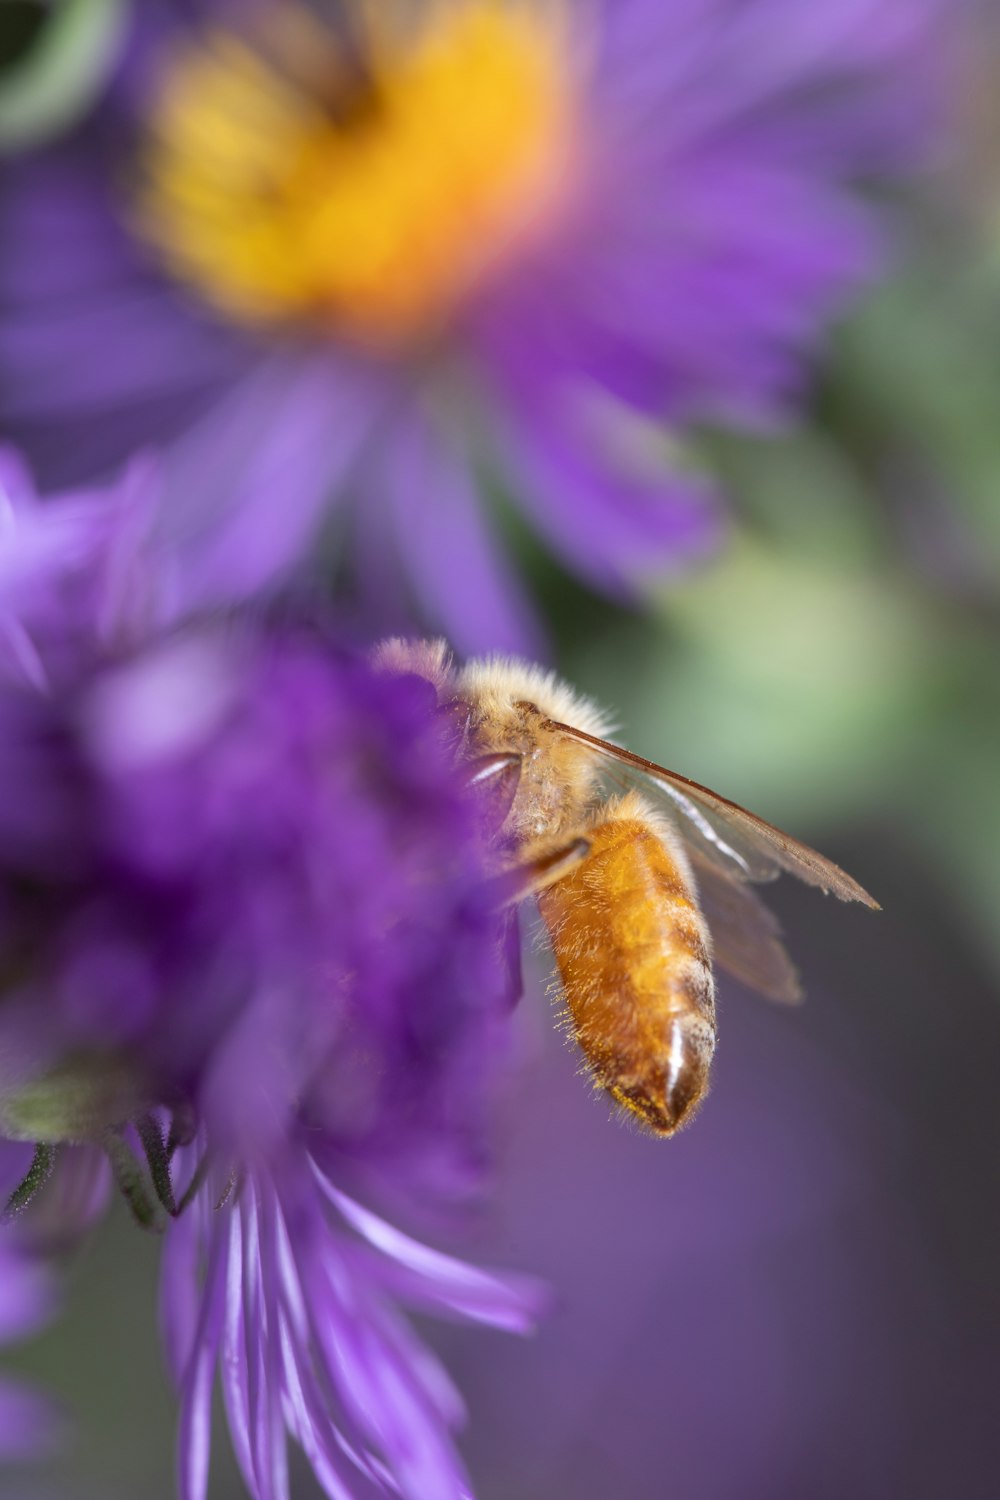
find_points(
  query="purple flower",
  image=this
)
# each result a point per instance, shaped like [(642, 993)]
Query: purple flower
[(249, 956), (360, 272)]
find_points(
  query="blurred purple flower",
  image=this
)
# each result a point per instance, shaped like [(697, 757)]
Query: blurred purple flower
[(525, 242), (250, 957), (75, 575)]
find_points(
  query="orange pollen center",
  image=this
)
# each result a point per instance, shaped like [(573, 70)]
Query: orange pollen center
[(365, 189)]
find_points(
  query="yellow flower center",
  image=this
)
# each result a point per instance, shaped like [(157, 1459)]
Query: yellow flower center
[(364, 185)]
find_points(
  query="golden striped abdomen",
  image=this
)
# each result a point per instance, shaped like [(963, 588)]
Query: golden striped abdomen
[(635, 962)]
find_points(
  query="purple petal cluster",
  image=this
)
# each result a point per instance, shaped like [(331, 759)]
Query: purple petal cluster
[(261, 851), (718, 222), (293, 1292), (243, 842), (242, 907)]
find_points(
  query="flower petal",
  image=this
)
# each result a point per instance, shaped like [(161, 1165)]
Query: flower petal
[(98, 354), (234, 1362), (194, 1437), (180, 1300), (377, 1388), (246, 490), (618, 521), (436, 512), (442, 1282)]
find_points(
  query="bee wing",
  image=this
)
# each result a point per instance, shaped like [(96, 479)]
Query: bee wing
[(726, 835), (746, 936)]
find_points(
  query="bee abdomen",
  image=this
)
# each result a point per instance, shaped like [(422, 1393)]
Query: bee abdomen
[(634, 958)]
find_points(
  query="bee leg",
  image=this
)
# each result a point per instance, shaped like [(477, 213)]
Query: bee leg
[(537, 874), (494, 780)]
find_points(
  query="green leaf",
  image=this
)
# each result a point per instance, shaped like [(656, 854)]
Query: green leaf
[(920, 365), (52, 87), (798, 486)]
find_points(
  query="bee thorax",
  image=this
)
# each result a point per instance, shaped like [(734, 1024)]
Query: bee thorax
[(556, 783)]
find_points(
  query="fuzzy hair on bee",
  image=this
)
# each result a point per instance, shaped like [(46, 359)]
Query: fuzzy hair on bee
[(634, 957), (639, 893)]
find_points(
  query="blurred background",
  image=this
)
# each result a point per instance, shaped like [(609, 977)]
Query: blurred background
[(798, 1297)]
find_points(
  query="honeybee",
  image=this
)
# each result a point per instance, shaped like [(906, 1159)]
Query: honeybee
[(639, 889)]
